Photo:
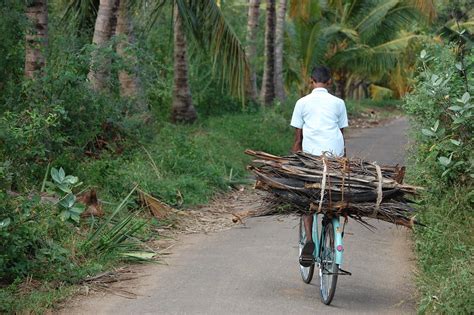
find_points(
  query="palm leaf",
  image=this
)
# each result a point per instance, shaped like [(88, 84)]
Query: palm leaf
[(205, 21), (372, 21), (426, 7), (82, 12), (397, 45), (373, 62)]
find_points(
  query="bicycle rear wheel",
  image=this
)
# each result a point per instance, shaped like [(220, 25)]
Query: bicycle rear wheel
[(306, 272), (328, 269)]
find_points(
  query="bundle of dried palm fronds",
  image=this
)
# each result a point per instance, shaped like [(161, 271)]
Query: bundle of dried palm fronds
[(335, 185)]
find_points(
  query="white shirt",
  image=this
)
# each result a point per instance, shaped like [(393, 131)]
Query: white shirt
[(321, 116)]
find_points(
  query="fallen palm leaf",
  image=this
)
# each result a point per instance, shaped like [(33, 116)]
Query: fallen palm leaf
[(158, 209)]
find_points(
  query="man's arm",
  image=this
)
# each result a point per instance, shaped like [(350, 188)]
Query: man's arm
[(343, 139), (298, 144)]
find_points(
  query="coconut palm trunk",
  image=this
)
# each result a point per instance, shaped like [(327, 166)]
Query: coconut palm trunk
[(340, 81), (129, 80), (36, 37), (251, 49), (104, 25), (267, 93), (279, 40), (182, 109)]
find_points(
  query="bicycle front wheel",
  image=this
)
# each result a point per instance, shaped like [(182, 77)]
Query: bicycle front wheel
[(328, 269), (306, 272)]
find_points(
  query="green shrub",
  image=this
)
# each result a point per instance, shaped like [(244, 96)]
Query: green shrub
[(32, 240), (441, 111)]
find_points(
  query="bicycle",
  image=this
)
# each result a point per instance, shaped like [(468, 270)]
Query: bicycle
[(328, 255)]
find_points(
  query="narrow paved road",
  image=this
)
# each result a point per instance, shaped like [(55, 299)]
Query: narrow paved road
[(254, 269)]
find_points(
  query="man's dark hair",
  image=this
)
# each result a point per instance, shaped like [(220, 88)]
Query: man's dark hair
[(321, 74)]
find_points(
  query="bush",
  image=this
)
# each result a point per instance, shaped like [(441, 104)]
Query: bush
[(32, 240), (441, 110)]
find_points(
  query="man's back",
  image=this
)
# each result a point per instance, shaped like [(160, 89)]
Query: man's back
[(321, 116)]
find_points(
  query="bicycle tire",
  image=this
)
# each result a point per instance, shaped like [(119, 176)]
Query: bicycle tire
[(328, 269), (305, 272)]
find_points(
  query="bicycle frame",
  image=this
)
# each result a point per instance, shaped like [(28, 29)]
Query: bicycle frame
[(337, 239)]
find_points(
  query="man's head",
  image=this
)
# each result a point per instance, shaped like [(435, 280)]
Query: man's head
[(321, 76)]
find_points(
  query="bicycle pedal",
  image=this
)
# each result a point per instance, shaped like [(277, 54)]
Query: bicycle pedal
[(306, 262)]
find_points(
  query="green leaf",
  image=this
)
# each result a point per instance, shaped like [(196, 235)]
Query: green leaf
[(62, 174), (459, 66), (465, 98), (68, 201), (65, 215), (71, 179), (456, 108), (458, 163), (79, 208), (455, 142), (423, 54), (64, 187), (4, 223), (435, 128), (428, 132), (75, 217), (444, 160), (55, 175)]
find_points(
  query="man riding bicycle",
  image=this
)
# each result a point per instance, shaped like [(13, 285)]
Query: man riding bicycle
[(319, 119)]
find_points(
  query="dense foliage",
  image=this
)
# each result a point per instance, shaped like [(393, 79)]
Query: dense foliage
[(442, 110)]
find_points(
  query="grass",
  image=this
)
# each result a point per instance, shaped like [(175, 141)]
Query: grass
[(34, 299), (445, 252), (186, 165)]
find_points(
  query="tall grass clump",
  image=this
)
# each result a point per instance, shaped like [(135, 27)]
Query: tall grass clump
[(441, 109)]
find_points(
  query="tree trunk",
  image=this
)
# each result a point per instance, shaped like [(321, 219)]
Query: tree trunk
[(104, 25), (36, 37), (182, 109), (341, 80), (129, 80), (268, 84), (279, 41), (251, 49)]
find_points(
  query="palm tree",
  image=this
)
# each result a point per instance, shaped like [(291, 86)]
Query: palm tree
[(182, 109), (129, 80), (279, 38), (360, 40), (307, 43), (203, 20), (378, 38), (251, 48), (36, 37), (104, 23), (267, 94)]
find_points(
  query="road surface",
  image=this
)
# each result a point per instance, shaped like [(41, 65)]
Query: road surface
[(254, 269)]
